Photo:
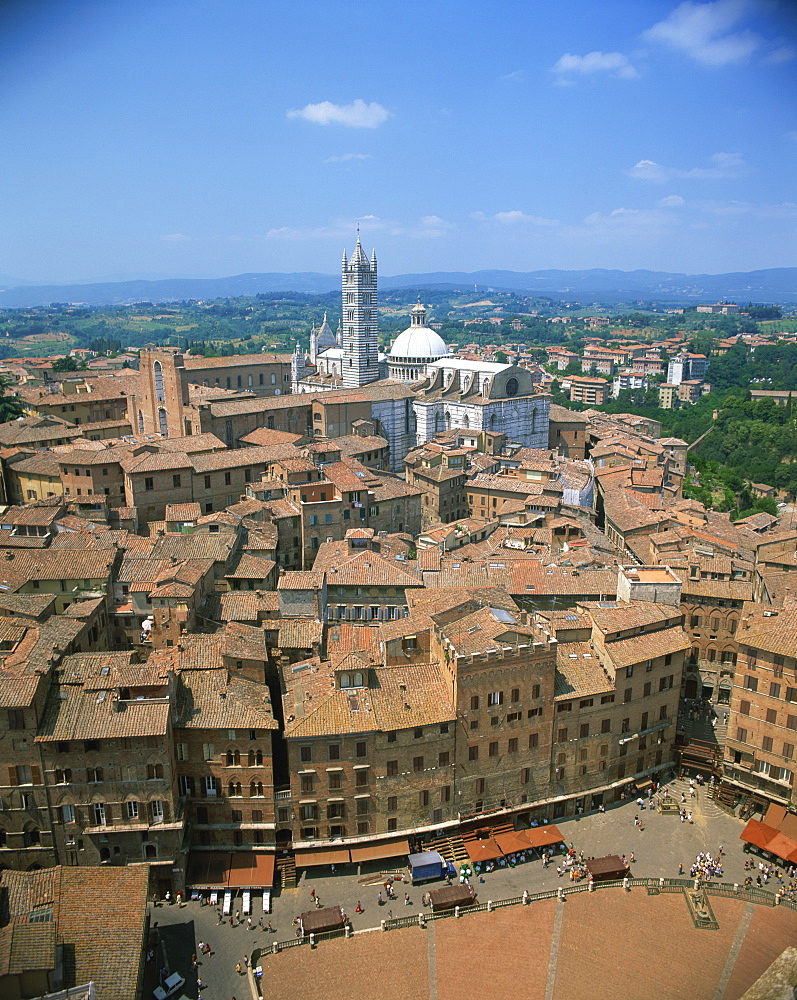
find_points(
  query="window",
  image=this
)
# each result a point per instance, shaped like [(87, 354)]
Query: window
[(208, 751), (741, 735), (182, 751), (176, 481), (306, 783), (493, 750), (473, 752), (515, 696), (361, 776), (583, 730), (392, 803), (334, 751), (423, 798), (149, 483), (561, 735), (417, 763), (16, 718), (534, 740), (586, 703), (628, 695), (417, 733), (154, 771), (392, 823), (772, 715), (646, 689), (99, 813), (513, 745), (565, 706), (392, 767), (185, 784), (791, 721), (443, 728), (474, 703), (788, 750), (750, 683), (629, 670), (131, 809), (774, 690), (211, 786), (443, 758), (607, 699), (625, 726), (67, 814), (665, 683), (535, 691), (335, 779), (495, 698), (94, 774), (606, 725), (360, 748)]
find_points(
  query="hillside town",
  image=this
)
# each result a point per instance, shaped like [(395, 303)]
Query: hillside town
[(277, 612)]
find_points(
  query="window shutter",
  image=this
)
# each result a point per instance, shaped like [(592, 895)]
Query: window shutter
[(36, 774), (12, 776)]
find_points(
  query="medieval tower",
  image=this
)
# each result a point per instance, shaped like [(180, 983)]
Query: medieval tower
[(360, 342)]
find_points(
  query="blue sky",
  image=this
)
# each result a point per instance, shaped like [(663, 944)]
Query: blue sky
[(213, 137)]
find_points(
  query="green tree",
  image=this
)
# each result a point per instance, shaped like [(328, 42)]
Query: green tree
[(68, 364), (10, 406)]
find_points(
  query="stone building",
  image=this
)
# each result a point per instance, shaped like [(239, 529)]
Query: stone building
[(481, 396)]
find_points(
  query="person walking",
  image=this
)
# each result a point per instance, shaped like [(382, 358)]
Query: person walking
[(359, 908)]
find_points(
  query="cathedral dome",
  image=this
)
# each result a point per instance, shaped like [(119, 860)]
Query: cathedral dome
[(418, 340)]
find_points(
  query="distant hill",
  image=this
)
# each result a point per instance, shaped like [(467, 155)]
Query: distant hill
[(774, 285)]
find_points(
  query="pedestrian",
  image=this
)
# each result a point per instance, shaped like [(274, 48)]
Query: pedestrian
[(312, 894), (260, 924), (246, 961), (631, 859), (689, 817), (680, 868), (237, 917), (193, 962), (379, 900), (270, 928), (230, 920), (168, 897), (406, 899), (249, 923), (359, 908), (238, 969)]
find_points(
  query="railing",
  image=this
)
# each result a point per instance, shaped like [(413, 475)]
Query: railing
[(654, 886)]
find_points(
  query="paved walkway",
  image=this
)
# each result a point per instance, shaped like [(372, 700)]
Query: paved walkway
[(659, 848)]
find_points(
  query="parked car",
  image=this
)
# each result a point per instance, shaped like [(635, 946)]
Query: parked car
[(174, 983)]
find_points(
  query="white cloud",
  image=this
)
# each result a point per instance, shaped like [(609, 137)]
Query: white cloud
[(358, 114), (782, 54), (514, 217), (516, 76), (671, 201), (614, 63), (175, 238), (723, 165), (705, 31), (346, 157)]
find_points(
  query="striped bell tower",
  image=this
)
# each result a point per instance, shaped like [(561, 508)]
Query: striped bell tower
[(359, 319)]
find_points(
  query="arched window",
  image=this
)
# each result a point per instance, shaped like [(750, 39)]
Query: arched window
[(150, 850), (163, 426), (465, 421), (105, 854), (256, 789), (233, 758), (154, 771), (358, 680), (234, 788), (448, 421), (250, 380), (259, 758), (140, 422), (160, 392)]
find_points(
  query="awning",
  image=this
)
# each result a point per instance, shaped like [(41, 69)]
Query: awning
[(483, 850), (782, 847), (511, 843), (544, 836), (208, 870), (643, 786), (758, 834), (231, 870), (322, 856), (251, 871), (383, 849)]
